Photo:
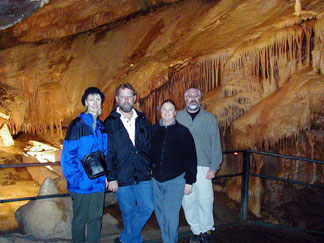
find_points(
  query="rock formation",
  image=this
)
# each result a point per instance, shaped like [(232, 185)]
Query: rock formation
[(46, 218), (259, 64), (51, 218)]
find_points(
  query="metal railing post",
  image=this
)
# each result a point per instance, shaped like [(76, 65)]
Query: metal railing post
[(245, 186)]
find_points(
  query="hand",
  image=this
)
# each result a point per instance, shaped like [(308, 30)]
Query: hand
[(210, 174), (113, 186), (187, 189)]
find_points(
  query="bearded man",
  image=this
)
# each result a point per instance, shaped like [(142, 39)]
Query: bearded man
[(198, 206), (129, 173)]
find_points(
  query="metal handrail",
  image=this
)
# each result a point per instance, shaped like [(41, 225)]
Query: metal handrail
[(286, 156), (287, 180), (244, 186), (28, 165), (35, 198)]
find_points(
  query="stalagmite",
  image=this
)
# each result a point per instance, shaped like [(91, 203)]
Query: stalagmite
[(301, 13), (6, 139), (298, 8)]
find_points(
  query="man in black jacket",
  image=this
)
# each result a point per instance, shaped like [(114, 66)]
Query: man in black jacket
[(128, 164)]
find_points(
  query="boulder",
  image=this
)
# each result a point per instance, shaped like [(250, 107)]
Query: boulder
[(4, 240), (6, 139), (46, 218), (51, 218), (110, 198)]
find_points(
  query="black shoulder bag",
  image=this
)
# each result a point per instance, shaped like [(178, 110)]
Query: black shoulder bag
[(94, 164)]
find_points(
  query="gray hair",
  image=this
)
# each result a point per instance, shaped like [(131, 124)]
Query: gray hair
[(186, 92)]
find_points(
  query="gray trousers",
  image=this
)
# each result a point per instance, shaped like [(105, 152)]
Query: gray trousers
[(87, 210), (168, 197)]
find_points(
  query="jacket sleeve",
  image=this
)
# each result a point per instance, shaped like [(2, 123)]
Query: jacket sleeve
[(111, 158), (216, 147), (148, 137), (104, 134), (190, 158), (71, 165)]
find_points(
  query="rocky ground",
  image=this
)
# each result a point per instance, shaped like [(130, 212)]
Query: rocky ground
[(16, 182)]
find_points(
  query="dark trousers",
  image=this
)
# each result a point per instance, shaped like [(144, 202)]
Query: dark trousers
[(87, 210)]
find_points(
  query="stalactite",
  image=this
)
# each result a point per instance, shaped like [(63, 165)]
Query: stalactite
[(263, 61), (43, 119), (205, 74)]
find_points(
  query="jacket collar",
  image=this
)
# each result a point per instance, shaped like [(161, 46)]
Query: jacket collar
[(88, 119), (114, 114), (172, 124), (201, 110)]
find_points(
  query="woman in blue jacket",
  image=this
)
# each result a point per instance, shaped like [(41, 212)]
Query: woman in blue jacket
[(174, 169), (85, 134)]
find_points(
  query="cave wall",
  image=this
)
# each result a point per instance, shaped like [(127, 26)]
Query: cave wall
[(259, 65)]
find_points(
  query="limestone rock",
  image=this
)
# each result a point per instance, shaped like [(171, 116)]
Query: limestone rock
[(51, 218), (4, 240), (46, 218), (107, 219), (61, 18), (6, 139), (39, 174), (110, 198)]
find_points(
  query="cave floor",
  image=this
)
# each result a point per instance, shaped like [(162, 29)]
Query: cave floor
[(247, 232), (14, 183), (225, 211), (241, 232)]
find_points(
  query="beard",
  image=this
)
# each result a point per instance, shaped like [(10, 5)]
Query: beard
[(126, 107), (193, 106)]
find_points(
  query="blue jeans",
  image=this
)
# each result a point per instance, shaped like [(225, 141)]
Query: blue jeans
[(136, 205), (168, 197)]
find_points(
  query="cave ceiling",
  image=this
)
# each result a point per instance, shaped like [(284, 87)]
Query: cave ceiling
[(53, 19), (259, 64), (12, 12)]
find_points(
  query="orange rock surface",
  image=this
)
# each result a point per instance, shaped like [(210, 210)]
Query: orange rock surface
[(259, 64), (245, 56)]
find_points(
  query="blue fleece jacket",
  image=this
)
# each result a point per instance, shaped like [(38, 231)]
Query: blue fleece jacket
[(80, 140)]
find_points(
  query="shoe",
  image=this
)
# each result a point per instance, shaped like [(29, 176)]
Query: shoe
[(195, 239), (206, 237), (117, 240)]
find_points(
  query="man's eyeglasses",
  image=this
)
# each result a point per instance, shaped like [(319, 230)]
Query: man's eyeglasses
[(193, 96), (124, 97)]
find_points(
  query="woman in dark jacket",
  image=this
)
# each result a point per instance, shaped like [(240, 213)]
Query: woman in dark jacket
[(174, 169)]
